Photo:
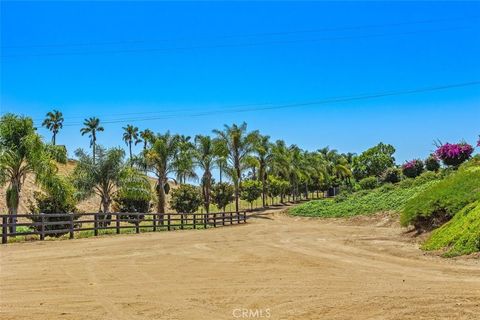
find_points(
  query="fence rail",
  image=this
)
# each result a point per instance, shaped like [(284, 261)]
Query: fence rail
[(60, 224)]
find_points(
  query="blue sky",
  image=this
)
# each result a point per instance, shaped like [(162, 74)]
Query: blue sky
[(158, 65)]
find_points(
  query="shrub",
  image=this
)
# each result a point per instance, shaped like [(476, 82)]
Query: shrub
[(391, 175), (185, 199), (413, 168), (222, 195), (54, 202), (432, 163), (251, 190), (133, 196), (436, 205), (368, 183), (454, 154)]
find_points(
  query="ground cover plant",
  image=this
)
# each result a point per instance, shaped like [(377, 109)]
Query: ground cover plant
[(386, 198), (459, 236)]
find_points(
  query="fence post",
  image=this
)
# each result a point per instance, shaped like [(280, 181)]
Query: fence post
[(95, 224), (182, 220), (137, 223), (154, 221), (215, 219), (117, 222), (231, 217), (4, 229), (42, 227), (245, 217), (71, 226), (238, 217), (194, 221), (223, 218), (169, 221), (205, 218)]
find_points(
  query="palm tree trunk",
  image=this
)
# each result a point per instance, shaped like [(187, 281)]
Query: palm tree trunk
[(54, 137), (130, 149), (94, 146), (12, 198), (221, 171), (161, 199), (264, 190)]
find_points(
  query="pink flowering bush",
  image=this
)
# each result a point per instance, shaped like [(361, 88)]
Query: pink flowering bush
[(454, 154), (413, 168)]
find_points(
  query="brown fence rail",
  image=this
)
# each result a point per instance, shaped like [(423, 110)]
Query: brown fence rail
[(60, 224)]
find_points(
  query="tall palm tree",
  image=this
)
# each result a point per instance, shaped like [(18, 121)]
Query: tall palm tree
[(92, 126), (238, 143), (130, 136), (205, 158), (160, 158), (53, 122), (262, 148), (146, 137), (184, 161)]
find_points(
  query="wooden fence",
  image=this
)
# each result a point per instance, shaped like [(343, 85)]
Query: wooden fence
[(66, 223)]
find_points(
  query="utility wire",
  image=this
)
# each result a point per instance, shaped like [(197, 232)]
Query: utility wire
[(233, 45), (331, 100), (262, 34)]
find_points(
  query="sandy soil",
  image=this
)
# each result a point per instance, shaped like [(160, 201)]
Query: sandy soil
[(275, 267)]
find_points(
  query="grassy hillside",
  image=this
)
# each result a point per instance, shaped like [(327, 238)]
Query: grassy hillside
[(386, 198), (461, 235)]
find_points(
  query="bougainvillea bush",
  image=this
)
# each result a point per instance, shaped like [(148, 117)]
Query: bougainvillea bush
[(454, 154), (413, 168)]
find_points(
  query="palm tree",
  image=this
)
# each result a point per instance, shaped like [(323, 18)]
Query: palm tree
[(53, 122), (22, 152), (92, 126), (102, 177), (159, 159), (262, 148), (130, 136), (205, 156), (184, 160), (238, 143), (146, 137)]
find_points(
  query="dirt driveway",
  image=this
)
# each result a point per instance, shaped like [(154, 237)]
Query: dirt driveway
[(275, 267)]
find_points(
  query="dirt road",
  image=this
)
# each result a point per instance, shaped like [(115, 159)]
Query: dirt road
[(275, 267)]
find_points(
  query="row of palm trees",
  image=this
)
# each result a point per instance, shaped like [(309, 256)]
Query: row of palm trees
[(234, 151)]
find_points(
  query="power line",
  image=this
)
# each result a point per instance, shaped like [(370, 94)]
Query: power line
[(261, 34), (331, 100), (232, 45)]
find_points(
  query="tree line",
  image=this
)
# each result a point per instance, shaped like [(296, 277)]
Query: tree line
[(249, 165)]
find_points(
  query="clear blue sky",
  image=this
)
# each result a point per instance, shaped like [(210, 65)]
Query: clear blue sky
[(168, 62)]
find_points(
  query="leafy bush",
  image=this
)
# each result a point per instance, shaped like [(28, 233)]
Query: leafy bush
[(368, 183), (413, 168), (374, 161), (185, 199), (391, 175), (386, 198), (56, 200), (431, 163), (277, 187), (437, 204), (454, 154), (461, 235), (222, 194), (133, 196), (251, 190)]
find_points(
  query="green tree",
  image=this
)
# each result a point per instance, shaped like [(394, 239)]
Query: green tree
[(238, 143), (159, 159), (222, 194), (262, 149), (146, 136), (92, 126), (130, 136), (23, 152), (53, 122), (184, 163), (185, 199), (205, 159), (102, 177), (251, 191), (374, 161)]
